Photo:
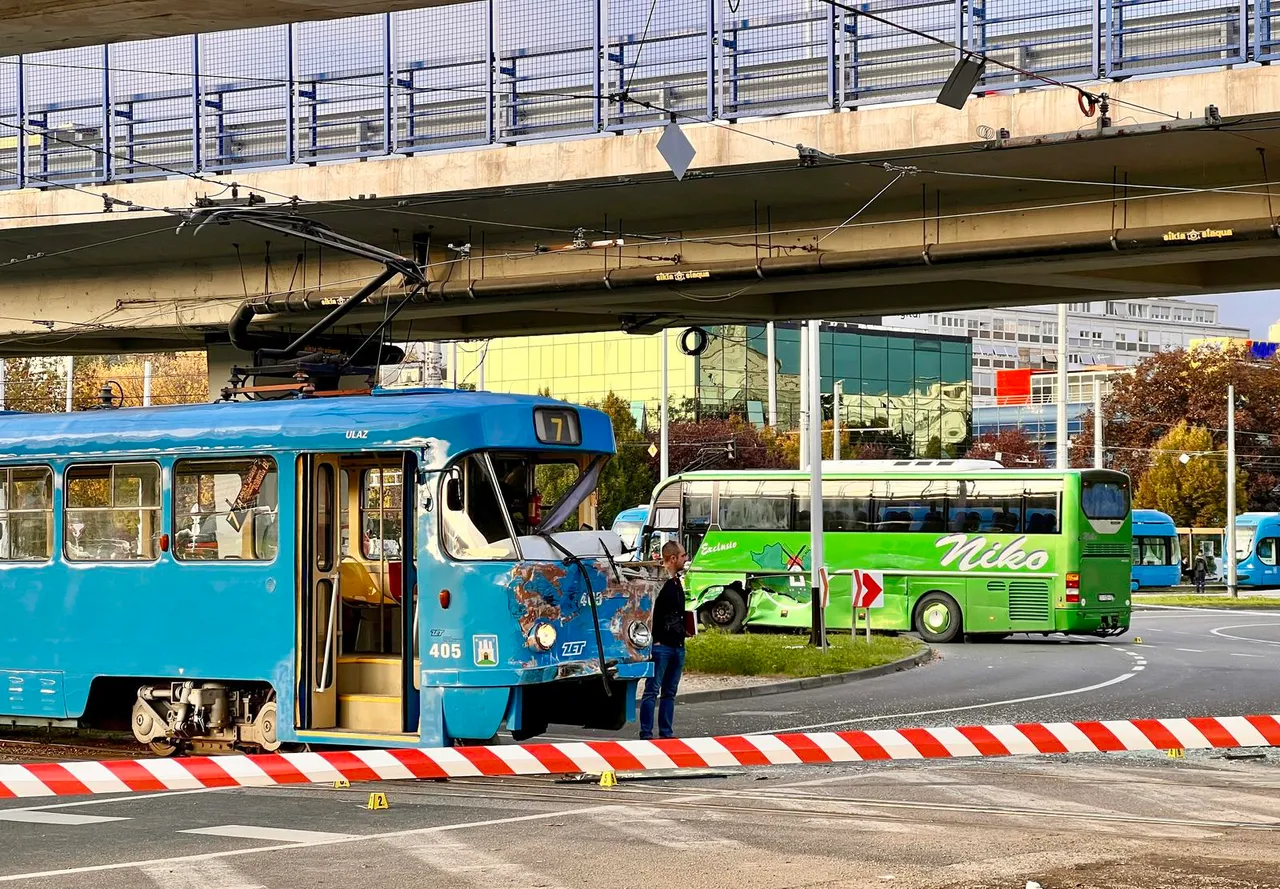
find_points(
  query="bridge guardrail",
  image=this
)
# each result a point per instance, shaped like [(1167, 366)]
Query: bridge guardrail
[(495, 71)]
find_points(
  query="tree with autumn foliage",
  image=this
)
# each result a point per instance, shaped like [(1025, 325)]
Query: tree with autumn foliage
[(1012, 448), (176, 378), (705, 444), (1193, 492), (1191, 386)]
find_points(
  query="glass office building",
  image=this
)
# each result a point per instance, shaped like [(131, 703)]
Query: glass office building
[(914, 384)]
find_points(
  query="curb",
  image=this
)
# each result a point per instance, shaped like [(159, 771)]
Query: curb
[(777, 688)]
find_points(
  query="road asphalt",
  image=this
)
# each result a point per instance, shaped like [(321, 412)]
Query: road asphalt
[(1121, 820)]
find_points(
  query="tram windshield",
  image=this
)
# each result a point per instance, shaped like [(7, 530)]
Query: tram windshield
[(491, 500)]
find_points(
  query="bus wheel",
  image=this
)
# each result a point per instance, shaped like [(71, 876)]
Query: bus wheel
[(727, 611), (938, 617)]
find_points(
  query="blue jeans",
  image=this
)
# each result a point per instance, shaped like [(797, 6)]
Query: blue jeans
[(668, 664)]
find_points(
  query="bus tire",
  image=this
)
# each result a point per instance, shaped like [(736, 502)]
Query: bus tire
[(938, 618), (726, 612)]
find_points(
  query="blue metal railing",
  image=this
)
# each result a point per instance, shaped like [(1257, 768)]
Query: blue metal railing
[(495, 71)]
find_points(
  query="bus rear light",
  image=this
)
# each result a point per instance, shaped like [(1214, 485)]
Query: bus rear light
[(444, 598), (1073, 598), (1073, 582)]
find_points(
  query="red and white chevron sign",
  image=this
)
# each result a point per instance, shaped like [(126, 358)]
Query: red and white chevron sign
[(813, 748)]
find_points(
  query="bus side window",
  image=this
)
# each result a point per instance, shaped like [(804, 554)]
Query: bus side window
[(697, 514)]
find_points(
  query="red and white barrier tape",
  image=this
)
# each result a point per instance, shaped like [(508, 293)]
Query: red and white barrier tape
[(812, 748)]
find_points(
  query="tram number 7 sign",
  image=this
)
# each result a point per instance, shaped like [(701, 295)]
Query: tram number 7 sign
[(868, 589)]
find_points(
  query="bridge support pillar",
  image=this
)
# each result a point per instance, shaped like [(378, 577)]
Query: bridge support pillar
[(223, 357)]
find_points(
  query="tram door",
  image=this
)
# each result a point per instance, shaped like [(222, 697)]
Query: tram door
[(319, 599)]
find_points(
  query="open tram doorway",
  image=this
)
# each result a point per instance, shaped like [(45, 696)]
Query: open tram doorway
[(356, 604)]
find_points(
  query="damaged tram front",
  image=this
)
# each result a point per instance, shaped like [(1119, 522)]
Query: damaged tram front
[(401, 569)]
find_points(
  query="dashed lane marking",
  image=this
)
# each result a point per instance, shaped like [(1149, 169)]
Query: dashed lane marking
[(1239, 654), (450, 855), (198, 875), (1191, 650), (62, 819), (274, 834)]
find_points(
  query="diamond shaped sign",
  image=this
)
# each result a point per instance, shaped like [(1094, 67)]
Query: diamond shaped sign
[(653, 450), (676, 149)]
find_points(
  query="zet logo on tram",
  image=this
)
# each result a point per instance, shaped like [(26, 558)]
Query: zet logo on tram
[(971, 553)]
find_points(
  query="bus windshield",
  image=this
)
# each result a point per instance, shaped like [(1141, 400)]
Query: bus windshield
[(628, 533), (1104, 499)]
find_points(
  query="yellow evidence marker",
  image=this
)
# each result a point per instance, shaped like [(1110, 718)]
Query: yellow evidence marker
[(341, 784), (377, 802), (608, 778)]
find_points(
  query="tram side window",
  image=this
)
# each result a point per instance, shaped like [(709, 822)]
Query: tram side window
[(382, 513), (473, 519), (225, 510), (26, 514), (112, 512), (1267, 551)]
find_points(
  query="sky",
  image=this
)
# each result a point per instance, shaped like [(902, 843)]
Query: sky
[(1254, 311)]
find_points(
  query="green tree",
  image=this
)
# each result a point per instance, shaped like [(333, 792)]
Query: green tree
[(629, 478), (1193, 493)]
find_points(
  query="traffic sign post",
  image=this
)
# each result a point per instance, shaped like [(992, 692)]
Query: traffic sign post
[(868, 593)]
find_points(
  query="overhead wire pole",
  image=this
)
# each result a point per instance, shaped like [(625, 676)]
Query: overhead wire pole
[(1098, 457), (1062, 451), (1230, 554), (773, 374), (804, 396), (819, 637), (663, 412)]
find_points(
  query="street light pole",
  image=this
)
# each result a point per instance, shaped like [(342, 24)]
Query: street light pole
[(837, 393), (1230, 554)]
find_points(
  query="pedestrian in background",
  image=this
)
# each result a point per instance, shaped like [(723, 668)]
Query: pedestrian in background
[(669, 632), (1199, 572)]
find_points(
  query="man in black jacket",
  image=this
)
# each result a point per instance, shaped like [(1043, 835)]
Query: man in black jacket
[(668, 647)]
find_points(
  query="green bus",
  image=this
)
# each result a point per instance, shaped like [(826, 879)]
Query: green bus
[(962, 546)]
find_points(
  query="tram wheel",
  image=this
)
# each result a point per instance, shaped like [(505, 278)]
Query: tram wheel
[(163, 747), (727, 611), (938, 617)]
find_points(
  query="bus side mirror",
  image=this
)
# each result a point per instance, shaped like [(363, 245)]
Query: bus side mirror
[(453, 494)]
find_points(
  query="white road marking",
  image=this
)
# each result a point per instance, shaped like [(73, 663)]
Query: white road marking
[(453, 857), (232, 853), (1219, 632), (763, 713), (1139, 667), (35, 816), (198, 875), (648, 825), (1055, 694), (1191, 611), (275, 834), (124, 798), (1238, 654), (1191, 650)]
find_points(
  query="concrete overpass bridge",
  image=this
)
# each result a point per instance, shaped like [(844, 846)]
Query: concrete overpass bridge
[(520, 156)]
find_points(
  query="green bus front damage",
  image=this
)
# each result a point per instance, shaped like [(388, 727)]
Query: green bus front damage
[(943, 571)]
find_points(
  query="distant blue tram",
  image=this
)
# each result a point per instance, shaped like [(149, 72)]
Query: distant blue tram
[(350, 571), (1157, 557), (1258, 549)]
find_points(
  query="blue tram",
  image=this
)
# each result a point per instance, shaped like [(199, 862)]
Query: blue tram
[(1157, 557), (1258, 549), (377, 570)]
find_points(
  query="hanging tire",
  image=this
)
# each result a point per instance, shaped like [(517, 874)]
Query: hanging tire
[(938, 618), (726, 612)]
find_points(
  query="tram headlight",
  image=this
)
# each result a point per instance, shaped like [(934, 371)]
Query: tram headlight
[(639, 634), (544, 636)]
